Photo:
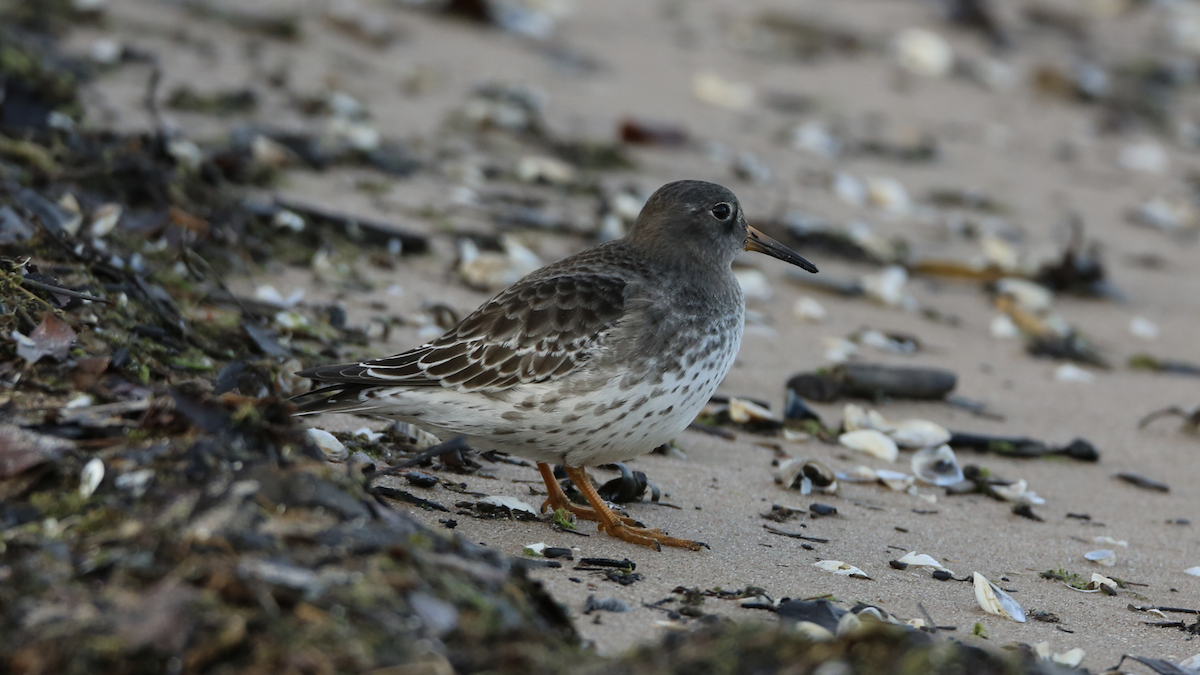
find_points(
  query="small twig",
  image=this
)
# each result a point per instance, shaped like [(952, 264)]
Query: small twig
[(26, 281), (794, 535)]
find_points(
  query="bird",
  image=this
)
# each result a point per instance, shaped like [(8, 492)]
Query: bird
[(594, 359)]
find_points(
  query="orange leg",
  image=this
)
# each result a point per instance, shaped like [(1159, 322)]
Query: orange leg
[(557, 499), (612, 524)]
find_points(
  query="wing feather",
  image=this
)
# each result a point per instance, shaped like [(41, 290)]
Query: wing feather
[(540, 329)]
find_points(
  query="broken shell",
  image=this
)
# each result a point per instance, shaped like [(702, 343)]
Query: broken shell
[(1099, 580), (894, 480), (1194, 571), (1102, 556), (937, 465), (923, 52), (808, 309), (849, 624), (713, 89), (1011, 492), (871, 442), (887, 286), (854, 417), (995, 601), (806, 474), (535, 549), (742, 411), (755, 287), (1110, 541), (859, 474), (540, 169), (91, 477), (510, 503), (331, 447), (1143, 328), (105, 218), (1069, 372), (1028, 295), (918, 434), (841, 568), (920, 560)]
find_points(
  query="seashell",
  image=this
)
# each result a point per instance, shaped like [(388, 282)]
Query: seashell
[(1194, 571), (1003, 328), (806, 474), (713, 89), (535, 549), (995, 601), (859, 474), (918, 434), (937, 466), (288, 220), (755, 287), (1145, 156), (136, 482), (91, 477), (885, 343), (331, 447), (1104, 556), (807, 309), (288, 382), (742, 411), (923, 52), (839, 350), (1143, 328), (815, 138), (849, 624), (920, 560), (510, 503), (491, 270), (1028, 295), (854, 417), (540, 169), (74, 215), (105, 218), (872, 442), (1011, 492), (1099, 580), (841, 568), (848, 189), (813, 632), (367, 434), (894, 480), (888, 195), (887, 286), (998, 252), (1069, 372), (1110, 541)]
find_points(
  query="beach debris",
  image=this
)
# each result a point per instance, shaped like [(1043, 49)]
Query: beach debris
[(818, 510), (1143, 482), (637, 131), (796, 410), (1013, 446), (593, 604), (1105, 557), (937, 465), (916, 433), (493, 270), (504, 505), (872, 442), (1143, 328), (1191, 420), (1144, 156), (536, 550), (1193, 571), (841, 568), (91, 477), (893, 480), (1069, 372), (993, 600), (420, 479), (808, 309), (1070, 658), (806, 475), (888, 287), (923, 52), (52, 337), (333, 449), (630, 486), (713, 89), (873, 381), (912, 558)]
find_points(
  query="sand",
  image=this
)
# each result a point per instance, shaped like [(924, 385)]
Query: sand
[(1008, 144)]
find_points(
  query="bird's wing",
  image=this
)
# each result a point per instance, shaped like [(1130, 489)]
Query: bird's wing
[(537, 330)]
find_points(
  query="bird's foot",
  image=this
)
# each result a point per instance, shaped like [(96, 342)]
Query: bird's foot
[(645, 536), (557, 499)]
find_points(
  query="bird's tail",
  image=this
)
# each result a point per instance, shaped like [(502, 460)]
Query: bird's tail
[(343, 398)]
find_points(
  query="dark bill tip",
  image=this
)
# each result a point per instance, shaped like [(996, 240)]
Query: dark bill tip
[(761, 243)]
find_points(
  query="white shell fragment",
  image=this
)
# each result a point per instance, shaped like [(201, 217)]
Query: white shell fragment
[(807, 309), (1099, 580), (1194, 571), (1143, 328), (535, 549), (1069, 372), (1003, 328), (331, 447), (1070, 658), (920, 560), (841, 568), (937, 466), (91, 477), (923, 52), (510, 503), (1102, 556), (872, 442), (1103, 539), (918, 434), (105, 218), (806, 475), (742, 411), (993, 600), (1028, 295), (894, 480), (887, 286)]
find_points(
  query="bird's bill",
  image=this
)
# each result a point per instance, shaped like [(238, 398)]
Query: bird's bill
[(761, 243)]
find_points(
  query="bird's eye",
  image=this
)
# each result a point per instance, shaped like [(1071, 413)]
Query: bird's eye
[(722, 211)]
